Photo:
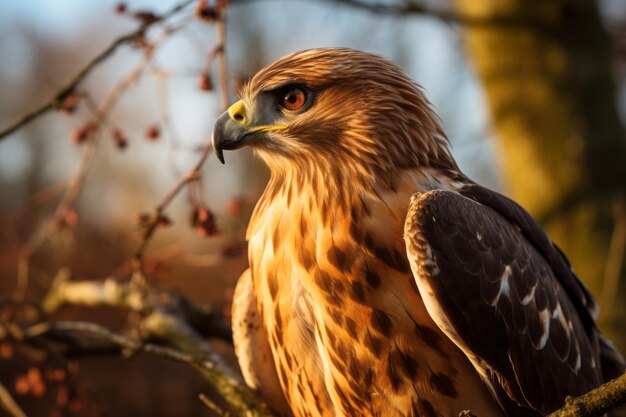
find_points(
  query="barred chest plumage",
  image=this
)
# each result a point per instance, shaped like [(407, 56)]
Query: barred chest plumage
[(349, 333)]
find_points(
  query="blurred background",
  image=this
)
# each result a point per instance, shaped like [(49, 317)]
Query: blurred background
[(532, 96)]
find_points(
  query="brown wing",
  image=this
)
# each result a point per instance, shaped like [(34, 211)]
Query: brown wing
[(612, 361), (497, 296)]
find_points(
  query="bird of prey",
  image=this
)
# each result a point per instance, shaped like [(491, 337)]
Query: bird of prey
[(382, 280)]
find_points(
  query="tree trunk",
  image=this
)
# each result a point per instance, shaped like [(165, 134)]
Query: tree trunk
[(563, 149)]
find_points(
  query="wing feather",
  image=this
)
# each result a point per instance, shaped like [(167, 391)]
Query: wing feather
[(493, 288)]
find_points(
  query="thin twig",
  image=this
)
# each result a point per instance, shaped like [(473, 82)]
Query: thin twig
[(161, 78), (194, 174), (48, 193), (220, 45), (55, 221), (8, 403), (30, 116), (76, 183), (57, 100), (405, 9), (212, 406), (401, 9), (158, 211)]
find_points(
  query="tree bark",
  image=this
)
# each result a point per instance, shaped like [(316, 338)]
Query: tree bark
[(550, 92)]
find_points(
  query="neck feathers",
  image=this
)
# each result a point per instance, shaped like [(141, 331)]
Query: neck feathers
[(329, 193)]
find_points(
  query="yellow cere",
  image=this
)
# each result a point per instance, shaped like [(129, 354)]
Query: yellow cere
[(237, 113)]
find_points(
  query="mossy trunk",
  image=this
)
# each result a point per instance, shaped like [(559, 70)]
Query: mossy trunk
[(562, 147)]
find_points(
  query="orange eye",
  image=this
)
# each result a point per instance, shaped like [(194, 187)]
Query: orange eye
[(294, 99)]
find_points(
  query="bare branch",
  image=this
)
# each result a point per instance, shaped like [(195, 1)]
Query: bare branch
[(154, 219), (220, 46), (108, 292), (8, 403), (596, 402), (55, 221), (193, 175), (164, 318), (134, 296), (186, 347), (73, 330), (30, 116), (161, 78), (212, 406), (409, 8), (58, 219), (57, 100)]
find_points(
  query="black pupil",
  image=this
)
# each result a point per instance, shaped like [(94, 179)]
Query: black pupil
[(292, 97)]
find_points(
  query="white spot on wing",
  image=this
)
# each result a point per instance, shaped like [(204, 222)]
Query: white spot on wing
[(505, 289), (544, 317), (529, 296)]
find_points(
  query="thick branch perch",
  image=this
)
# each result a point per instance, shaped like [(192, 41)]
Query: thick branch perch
[(165, 319), (596, 402), (243, 401), (188, 348), (134, 296)]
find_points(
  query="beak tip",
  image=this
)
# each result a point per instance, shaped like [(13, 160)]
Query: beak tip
[(217, 147), (219, 153)]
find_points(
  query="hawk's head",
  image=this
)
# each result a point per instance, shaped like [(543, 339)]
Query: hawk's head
[(334, 107)]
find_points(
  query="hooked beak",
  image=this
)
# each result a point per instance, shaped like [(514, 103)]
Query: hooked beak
[(232, 130), (227, 134)]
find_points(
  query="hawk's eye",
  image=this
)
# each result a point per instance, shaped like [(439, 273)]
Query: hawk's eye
[(294, 99)]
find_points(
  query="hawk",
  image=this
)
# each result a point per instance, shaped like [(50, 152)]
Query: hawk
[(382, 280)]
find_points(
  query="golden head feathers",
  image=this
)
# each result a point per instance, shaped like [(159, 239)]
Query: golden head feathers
[(361, 111)]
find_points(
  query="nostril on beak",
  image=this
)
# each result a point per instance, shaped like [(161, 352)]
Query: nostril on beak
[(237, 112)]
